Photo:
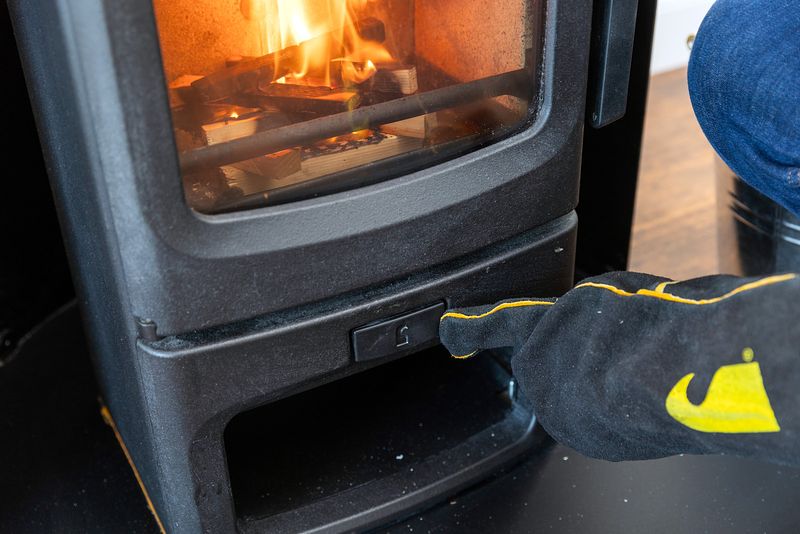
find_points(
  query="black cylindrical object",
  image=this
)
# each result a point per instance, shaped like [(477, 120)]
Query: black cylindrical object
[(756, 235)]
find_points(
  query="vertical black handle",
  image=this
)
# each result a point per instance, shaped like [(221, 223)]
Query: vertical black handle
[(613, 53)]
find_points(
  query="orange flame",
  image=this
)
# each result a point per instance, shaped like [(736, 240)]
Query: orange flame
[(326, 34)]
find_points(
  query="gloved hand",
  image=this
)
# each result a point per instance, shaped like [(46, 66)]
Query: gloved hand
[(629, 366)]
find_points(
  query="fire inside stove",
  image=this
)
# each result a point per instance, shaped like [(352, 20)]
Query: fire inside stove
[(281, 100)]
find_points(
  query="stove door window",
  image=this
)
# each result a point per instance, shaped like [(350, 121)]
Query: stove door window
[(280, 100)]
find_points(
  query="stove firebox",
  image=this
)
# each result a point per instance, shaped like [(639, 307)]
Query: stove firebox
[(279, 100), (268, 202)]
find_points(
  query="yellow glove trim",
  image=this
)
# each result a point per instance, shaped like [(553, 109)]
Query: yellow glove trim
[(499, 307), (770, 280), (464, 357)]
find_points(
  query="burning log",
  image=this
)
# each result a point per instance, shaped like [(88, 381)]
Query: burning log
[(246, 74), (180, 90), (515, 83), (369, 29), (235, 125), (316, 100), (397, 78), (352, 150), (272, 166), (232, 61), (291, 90), (413, 127), (264, 172)]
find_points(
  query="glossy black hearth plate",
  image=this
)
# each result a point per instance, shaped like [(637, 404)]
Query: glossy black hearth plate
[(61, 469), (558, 490)]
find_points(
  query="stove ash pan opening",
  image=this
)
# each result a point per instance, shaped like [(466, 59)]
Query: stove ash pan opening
[(279, 100)]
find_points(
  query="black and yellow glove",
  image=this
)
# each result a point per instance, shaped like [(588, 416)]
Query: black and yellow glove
[(630, 366)]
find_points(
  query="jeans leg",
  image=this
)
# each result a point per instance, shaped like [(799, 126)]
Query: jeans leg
[(744, 82)]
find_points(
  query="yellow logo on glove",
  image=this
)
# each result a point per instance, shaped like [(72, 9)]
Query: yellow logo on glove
[(736, 402)]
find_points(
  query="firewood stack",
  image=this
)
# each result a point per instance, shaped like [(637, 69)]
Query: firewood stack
[(260, 94)]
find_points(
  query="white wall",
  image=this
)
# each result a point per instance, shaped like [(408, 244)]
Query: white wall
[(675, 21)]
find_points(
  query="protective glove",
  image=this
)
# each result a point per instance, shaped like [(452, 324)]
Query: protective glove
[(629, 366)]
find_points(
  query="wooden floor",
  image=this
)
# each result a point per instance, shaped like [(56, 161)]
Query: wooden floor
[(674, 232)]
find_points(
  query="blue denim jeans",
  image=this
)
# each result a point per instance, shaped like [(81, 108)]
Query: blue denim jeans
[(744, 82)]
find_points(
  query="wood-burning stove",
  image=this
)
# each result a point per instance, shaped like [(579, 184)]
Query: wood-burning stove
[(263, 241)]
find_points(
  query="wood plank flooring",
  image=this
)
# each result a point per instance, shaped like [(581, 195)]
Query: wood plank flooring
[(674, 231)]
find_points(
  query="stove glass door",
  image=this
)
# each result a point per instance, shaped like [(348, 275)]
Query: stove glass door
[(274, 101)]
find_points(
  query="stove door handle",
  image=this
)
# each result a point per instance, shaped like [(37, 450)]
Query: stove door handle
[(612, 51)]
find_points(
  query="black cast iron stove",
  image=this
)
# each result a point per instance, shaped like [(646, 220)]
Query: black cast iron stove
[(268, 205)]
